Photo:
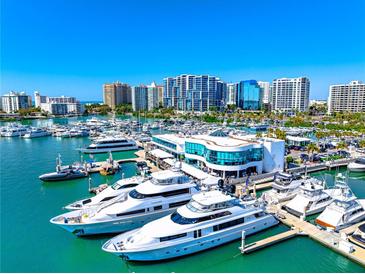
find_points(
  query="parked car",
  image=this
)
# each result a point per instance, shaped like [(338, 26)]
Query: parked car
[(304, 157), (344, 153)]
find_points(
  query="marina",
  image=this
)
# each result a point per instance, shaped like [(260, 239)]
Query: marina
[(57, 196)]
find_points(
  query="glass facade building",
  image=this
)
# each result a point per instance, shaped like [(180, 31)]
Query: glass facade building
[(225, 157), (164, 143), (249, 95)]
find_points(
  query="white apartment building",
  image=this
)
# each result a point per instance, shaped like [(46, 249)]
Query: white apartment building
[(152, 96), (265, 91), (347, 97), (61, 105), (290, 94), (231, 93), (13, 101)]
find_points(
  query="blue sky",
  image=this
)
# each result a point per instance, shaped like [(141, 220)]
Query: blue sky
[(72, 47)]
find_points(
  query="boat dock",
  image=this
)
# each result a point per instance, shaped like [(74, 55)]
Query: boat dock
[(336, 241), (269, 241)]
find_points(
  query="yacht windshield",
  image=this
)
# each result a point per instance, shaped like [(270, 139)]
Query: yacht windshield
[(179, 219), (168, 181)]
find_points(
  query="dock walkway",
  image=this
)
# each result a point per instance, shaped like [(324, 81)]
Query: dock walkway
[(330, 239), (270, 241)]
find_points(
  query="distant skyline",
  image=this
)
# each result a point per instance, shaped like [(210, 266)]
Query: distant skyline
[(72, 48)]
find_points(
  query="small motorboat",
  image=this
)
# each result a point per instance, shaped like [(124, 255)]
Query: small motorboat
[(357, 166), (64, 173), (359, 236), (110, 167)]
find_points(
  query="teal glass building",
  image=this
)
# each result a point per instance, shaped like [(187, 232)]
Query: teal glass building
[(249, 95)]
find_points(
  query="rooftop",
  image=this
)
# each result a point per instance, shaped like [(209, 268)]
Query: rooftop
[(212, 197)]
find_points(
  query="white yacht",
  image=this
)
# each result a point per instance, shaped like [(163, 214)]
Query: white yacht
[(285, 187), (344, 211), (357, 166), (210, 219), (102, 145), (14, 131), (150, 200), (36, 132), (120, 187), (311, 199)]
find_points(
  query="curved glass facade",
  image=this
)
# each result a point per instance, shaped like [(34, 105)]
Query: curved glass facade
[(223, 157), (164, 143)]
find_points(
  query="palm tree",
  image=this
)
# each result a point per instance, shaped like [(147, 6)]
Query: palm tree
[(341, 145), (311, 148)]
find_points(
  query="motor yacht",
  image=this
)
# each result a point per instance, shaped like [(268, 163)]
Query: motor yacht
[(150, 200), (285, 187), (311, 199), (345, 210), (64, 173), (36, 132), (14, 131), (357, 166), (358, 237), (102, 145), (210, 219), (120, 187)]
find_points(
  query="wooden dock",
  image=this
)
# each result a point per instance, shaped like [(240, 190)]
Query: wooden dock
[(270, 241), (330, 239)]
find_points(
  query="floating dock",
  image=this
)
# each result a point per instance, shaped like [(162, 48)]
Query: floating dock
[(336, 241), (270, 241)]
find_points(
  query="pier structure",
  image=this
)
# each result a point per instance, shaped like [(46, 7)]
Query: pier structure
[(337, 241)]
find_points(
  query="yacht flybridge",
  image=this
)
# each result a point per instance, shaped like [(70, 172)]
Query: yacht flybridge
[(121, 187), (285, 187), (345, 210), (152, 199), (210, 219), (106, 144), (312, 198)]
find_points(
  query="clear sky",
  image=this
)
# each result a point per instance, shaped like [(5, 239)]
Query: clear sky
[(72, 47)]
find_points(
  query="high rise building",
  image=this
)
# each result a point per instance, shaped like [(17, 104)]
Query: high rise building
[(117, 93), (347, 97), (13, 101), (61, 105), (290, 94), (152, 97), (160, 89), (191, 92), (140, 98), (248, 95), (265, 91), (231, 93), (221, 95)]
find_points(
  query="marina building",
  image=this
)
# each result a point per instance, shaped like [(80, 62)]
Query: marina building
[(152, 96), (249, 95), (347, 97), (231, 93), (290, 94), (140, 98), (13, 101), (226, 155), (116, 94), (62, 105), (265, 91), (192, 92)]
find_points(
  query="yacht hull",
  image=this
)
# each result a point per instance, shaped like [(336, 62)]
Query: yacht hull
[(105, 150), (53, 177), (195, 245), (114, 226)]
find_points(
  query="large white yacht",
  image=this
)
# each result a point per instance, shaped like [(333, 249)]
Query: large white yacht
[(14, 131), (150, 200), (311, 199), (120, 187), (107, 144), (210, 219), (285, 187), (345, 210), (36, 132)]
